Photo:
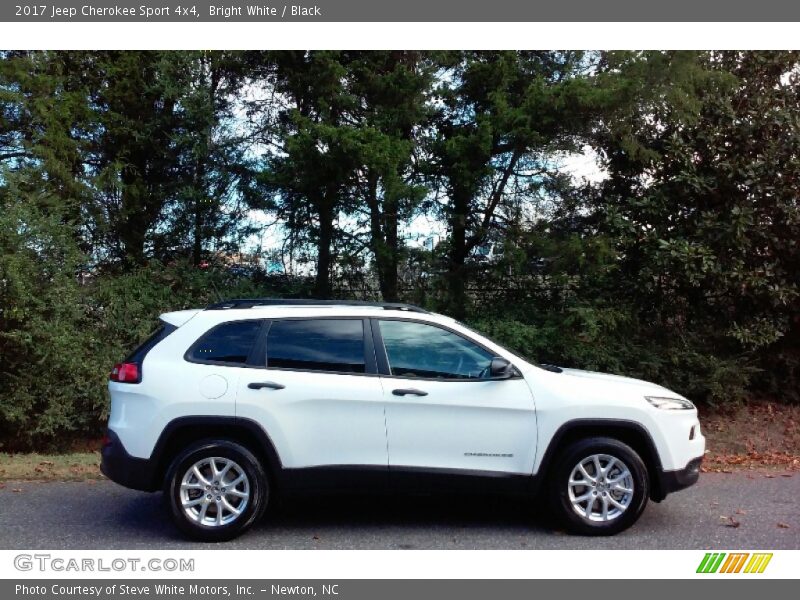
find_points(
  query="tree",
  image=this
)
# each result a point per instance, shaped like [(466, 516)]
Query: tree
[(704, 209), (312, 156), (213, 155), (46, 125), (502, 115), (136, 158), (391, 90)]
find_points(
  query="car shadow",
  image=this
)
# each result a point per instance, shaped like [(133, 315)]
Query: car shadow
[(363, 521), (147, 516), (365, 510), (144, 516)]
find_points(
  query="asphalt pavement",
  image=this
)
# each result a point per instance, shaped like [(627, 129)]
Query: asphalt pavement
[(741, 510)]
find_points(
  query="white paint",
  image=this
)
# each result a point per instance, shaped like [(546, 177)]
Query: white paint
[(318, 418), (390, 36), (397, 564), (337, 419), (213, 386)]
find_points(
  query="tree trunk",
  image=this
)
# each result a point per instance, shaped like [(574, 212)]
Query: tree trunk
[(456, 272), (200, 188), (322, 283), (389, 289), (199, 196), (132, 229), (383, 240)]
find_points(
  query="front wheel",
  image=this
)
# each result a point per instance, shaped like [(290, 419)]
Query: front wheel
[(216, 490), (599, 487)]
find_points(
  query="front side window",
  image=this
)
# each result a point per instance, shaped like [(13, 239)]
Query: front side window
[(230, 343), (426, 351), (332, 345)]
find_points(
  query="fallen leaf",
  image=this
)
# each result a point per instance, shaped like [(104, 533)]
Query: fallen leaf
[(783, 526), (739, 511), (730, 521)]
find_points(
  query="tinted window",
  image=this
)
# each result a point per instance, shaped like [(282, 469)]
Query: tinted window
[(229, 343), (317, 345), (420, 350)]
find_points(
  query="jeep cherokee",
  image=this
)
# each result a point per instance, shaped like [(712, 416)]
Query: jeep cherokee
[(222, 407)]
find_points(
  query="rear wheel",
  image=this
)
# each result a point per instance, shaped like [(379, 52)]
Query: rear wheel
[(216, 490), (599, 487)]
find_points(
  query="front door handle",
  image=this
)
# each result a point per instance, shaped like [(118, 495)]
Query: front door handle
[(409, 392), (265, 384)]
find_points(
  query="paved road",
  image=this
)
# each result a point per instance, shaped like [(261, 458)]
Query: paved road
[(102, 515)]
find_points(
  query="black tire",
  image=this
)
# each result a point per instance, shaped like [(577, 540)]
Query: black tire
[(558, 486), (257, 482)]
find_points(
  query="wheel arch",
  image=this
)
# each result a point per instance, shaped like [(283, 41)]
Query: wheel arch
[(631, 433), (183, 431)]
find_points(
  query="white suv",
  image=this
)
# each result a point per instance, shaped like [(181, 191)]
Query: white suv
[(223, 407)]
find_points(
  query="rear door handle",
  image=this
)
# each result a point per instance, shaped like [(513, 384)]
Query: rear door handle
[(265, 384), (409, 392)]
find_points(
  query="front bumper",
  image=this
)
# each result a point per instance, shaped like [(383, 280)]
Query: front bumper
[(672, 481), (126, 470)]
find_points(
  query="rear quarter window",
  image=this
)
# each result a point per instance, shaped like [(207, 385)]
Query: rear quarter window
[(163, 330), (229, 343)]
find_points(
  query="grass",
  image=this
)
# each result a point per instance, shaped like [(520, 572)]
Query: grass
[(756, 435), (76, 466)]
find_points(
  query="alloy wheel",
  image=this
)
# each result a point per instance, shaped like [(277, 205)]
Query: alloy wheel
[(214, 491), (600, 488)]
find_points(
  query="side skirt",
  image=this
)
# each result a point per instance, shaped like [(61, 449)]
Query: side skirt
[(378, 479)]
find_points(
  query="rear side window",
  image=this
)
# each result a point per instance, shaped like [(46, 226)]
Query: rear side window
[(229, 343), (333, 345), (163, 330)]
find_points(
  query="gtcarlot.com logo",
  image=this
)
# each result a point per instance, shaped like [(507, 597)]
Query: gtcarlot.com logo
[(734, 562), (47, 562)]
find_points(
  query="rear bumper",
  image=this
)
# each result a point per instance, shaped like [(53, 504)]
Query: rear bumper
[(126, 470), (672, 481)]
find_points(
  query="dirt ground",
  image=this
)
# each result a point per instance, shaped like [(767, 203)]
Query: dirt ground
[(756, 435)]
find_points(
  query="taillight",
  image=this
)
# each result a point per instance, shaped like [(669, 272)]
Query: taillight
[(125, 373)]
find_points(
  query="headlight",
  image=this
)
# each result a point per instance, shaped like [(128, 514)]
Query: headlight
[(669, 403)]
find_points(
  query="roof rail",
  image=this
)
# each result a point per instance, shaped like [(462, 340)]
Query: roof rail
[(253, 302)]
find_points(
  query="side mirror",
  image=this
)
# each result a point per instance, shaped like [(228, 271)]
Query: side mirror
[(500, 368)]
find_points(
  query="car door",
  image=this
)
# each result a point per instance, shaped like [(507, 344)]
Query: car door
[(442, 409), (318, 397)]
